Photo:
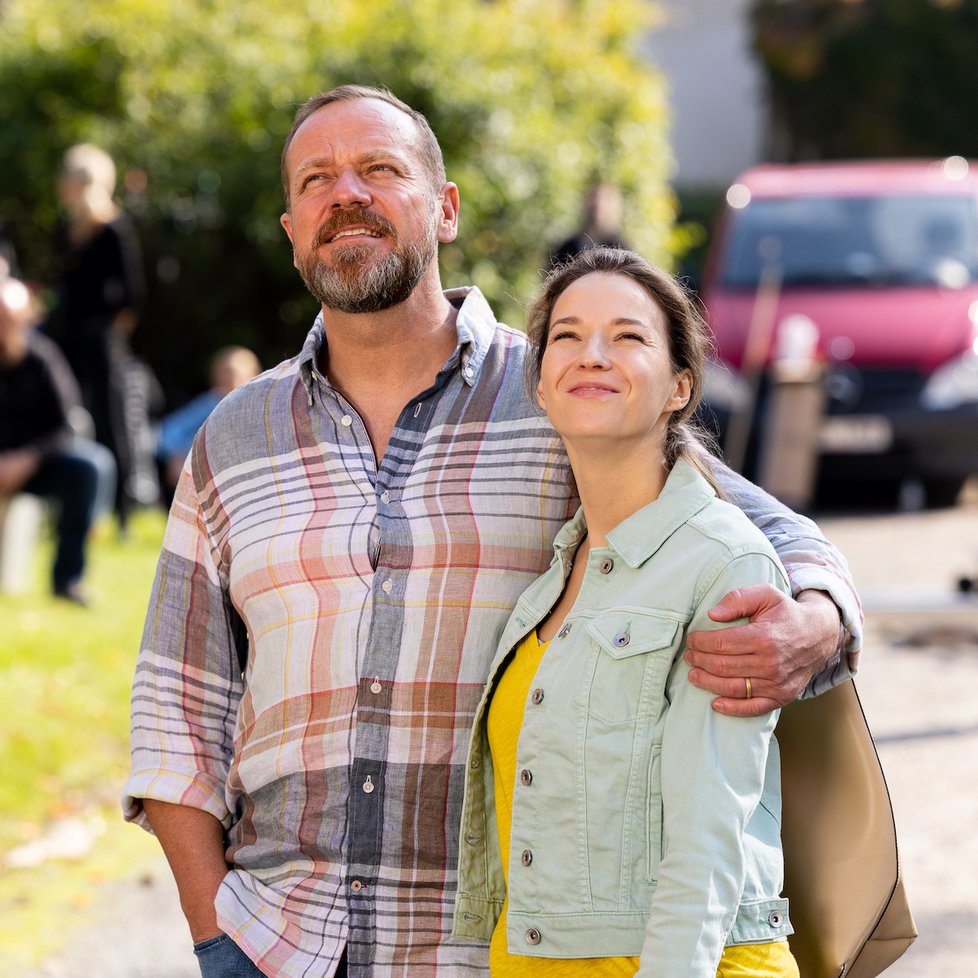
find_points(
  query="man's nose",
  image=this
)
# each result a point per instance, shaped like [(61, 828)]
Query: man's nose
[(349, 189)]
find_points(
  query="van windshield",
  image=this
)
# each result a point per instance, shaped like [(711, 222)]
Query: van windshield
[(882, 241)]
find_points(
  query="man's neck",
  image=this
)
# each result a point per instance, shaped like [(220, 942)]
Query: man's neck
[(379, 361)]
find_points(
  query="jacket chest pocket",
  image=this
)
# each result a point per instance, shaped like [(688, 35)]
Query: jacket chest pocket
[(630, 656)]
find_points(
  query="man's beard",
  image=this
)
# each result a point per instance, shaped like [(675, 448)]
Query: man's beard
[(355, 284)]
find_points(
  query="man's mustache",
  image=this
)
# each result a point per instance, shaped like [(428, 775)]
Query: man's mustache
[(353, 218)]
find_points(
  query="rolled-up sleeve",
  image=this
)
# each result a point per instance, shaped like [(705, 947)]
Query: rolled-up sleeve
[(812, 563), (187, 685)]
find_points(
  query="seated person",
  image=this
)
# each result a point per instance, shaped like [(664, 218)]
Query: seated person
[(231, 367), (39, 452)]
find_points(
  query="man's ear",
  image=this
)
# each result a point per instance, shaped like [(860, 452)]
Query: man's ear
[(448, 218), (286, 221)]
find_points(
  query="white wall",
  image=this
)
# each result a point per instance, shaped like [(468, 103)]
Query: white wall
[(716, 89)]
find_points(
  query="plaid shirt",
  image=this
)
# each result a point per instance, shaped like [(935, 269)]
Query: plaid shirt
[(365, 603)]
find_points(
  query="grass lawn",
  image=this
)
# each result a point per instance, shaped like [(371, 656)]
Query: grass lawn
[(65, 674)]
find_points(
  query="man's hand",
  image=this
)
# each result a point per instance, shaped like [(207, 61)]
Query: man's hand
[(17, 466), (786, 642)]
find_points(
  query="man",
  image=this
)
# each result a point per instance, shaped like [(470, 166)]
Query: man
[(39, 453), (354, 528)]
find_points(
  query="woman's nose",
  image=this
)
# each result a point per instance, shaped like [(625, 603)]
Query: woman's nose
[(594, 352)]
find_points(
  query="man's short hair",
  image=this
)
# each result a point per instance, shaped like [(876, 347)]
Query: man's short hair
[(430, 151)]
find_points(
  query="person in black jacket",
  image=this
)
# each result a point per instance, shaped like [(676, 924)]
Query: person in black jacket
[(39, 452), (100, 298)]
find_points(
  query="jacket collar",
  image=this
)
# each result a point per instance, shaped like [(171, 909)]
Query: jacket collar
[(639, 536)]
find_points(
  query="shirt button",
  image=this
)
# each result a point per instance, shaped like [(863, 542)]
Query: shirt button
[(532, 936), (375, 687), (356, 886), (385, 496), (475, 764), (526, 777), (526, 857), (388, 586), (368, 785), (346, 421), (536, 697), (606, 565), (468, 372)]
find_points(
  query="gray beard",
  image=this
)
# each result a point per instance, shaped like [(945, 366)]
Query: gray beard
[(353, 285)]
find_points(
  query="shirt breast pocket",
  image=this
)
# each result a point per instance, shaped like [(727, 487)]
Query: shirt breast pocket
[(630, 656)]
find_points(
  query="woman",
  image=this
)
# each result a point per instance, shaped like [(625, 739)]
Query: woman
[(613, 823)]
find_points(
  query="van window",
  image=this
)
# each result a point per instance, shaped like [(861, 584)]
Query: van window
[(840, 241)]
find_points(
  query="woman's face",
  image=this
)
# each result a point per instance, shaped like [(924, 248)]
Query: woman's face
[(606, 372)]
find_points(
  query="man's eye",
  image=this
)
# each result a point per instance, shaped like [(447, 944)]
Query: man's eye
[(381, 167)]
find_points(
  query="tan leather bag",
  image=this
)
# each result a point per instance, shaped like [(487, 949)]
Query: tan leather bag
[(842, 873)]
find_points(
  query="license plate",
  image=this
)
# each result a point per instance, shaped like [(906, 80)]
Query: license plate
[(866, 433)]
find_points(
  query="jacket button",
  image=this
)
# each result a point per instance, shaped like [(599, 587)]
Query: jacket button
[(526, 857), (622, 639), (774, 918), (536, 697), (564, 632), (526, 776), (532, 936), (606, 565)]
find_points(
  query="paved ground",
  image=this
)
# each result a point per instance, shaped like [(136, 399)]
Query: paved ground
[(919, 685)]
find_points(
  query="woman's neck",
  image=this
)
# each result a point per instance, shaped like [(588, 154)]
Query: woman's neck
[(614, 484)]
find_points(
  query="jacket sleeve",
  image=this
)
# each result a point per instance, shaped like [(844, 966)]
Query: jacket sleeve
[(812, 563), (713, 769), (188, 681)]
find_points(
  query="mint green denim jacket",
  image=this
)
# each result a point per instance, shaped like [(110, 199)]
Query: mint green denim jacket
[(644, 823)]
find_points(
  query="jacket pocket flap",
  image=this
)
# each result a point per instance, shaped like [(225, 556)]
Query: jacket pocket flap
[(625, 633)]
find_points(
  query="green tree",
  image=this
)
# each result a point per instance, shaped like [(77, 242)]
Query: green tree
[(530, 99), (859, 78)]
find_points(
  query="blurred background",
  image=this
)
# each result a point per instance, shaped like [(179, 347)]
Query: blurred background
[(562, 121)]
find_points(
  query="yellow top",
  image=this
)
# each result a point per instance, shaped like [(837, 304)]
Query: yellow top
[(504, 723)]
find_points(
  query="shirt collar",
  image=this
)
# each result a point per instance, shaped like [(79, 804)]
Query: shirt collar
[(474, 326), (640, 535)]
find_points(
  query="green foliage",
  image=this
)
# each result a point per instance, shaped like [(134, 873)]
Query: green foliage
[(530, 99), (871, 77), (65, 674)]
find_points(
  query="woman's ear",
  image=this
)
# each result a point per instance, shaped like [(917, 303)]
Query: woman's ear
[(540, 395), (684, 388)]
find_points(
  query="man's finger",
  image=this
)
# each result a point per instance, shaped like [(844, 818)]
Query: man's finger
[(728, 665), (732, 687), (747, 602), (754, 707)]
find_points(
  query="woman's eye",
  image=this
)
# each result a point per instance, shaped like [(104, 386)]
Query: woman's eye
[(564, 334), (632, 336)]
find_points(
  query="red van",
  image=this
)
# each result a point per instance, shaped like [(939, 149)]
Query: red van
[(883, 258)]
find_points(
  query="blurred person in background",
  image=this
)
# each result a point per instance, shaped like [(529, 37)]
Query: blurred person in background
[(39, 451), (600, 223), (231, 367), (99, 299)]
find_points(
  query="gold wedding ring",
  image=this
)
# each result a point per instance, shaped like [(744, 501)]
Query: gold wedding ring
[(750, 692)]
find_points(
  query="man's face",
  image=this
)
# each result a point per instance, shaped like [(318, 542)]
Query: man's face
[(364, 218)]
